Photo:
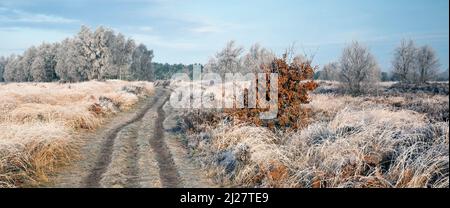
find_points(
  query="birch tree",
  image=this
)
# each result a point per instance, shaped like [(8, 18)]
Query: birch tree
[(121, 57), (228, 60), (256, 58), (13, 69), (359, 70), (329, 71), (427, 64), (71, 64), (404, 62), (43, 66), (141, 67)]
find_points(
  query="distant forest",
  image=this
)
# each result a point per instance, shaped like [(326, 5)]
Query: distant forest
[(100, 54), (165, 71), (104, 54)]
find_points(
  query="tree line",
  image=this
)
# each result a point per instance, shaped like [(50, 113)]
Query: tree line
[(234, 59), (99, 54), (166, 71), (230, 59), (358, 69), (104, 54)]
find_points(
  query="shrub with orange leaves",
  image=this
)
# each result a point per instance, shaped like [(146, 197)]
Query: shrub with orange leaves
[(295, 81)]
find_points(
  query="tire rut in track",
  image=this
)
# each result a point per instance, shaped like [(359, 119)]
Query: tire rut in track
[(132, 180), (105, 155), (167, 169)]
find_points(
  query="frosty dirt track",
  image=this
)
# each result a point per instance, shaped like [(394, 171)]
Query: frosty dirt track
[(133, 150)]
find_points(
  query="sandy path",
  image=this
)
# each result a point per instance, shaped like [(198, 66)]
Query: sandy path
[(133, 150)]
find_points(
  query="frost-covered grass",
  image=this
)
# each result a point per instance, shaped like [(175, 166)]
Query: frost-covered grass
[(39, 123), (390, 141)]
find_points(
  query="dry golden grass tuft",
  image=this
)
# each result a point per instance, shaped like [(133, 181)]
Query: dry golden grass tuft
[(39, 123), (386, 141), (29, 151)]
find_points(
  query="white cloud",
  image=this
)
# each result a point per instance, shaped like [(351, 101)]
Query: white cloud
[(210, 26), (145, 29), (206, 29), (17, 39), (18, 16)]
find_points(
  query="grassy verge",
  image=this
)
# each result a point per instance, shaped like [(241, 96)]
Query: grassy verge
[(40, 122)]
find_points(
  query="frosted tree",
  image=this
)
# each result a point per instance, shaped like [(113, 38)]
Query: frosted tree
[(427, 64), (38, 69), (330, 71), (211, 66), (228, 60), (89, 55), (358, 69), (108, 54), (43, 66), (141, 67), (404, 61), (2, 68), (121, 57), (71, 65), (13, 69), (103, 41), (443, 76), (83, 45), (95, 48), (24, 73), (256, 58)]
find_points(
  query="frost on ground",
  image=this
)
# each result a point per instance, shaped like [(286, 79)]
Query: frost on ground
[(394, 140), (40, 123)]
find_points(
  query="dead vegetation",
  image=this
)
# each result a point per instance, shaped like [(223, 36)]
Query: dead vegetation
[(294, 83), (385, 141), (39, 123), (390, 88)]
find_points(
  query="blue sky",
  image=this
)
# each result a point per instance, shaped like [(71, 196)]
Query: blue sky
[(189, 31)]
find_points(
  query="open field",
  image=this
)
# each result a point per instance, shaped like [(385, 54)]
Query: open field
[(40, 123), (394, 139)]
